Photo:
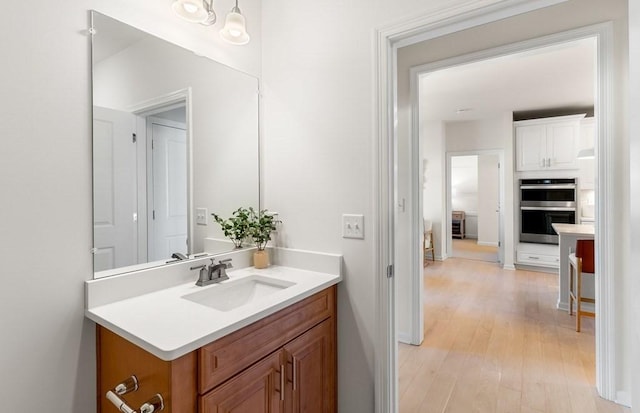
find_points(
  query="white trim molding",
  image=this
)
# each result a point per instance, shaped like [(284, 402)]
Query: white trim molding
[(437, 23)]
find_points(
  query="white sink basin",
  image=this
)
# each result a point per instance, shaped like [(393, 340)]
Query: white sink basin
[(235, 293)]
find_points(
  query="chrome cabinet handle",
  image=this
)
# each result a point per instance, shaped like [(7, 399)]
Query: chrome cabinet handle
[(154, 404), (548, 162)]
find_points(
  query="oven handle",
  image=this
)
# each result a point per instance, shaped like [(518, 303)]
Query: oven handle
[(547, 209), (566, 186)]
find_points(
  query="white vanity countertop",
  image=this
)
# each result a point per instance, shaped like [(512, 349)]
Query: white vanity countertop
[(169, 326)]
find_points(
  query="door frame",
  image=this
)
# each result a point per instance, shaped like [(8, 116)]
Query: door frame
[(501, 200), (436, 24), (603, 34), (150, 107)]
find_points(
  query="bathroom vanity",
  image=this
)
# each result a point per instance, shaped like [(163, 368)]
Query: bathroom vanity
[(278, 364), (262, 341)]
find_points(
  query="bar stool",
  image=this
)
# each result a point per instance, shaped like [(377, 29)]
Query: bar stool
[(582, 261)]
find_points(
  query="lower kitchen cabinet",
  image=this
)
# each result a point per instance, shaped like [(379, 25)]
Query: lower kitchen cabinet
[(283, 363)]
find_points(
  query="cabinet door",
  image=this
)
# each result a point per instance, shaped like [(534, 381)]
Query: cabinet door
[(311, 367), (530, 147), (562, 139), (255, 390)]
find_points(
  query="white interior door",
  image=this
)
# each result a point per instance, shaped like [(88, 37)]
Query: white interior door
[(489, 200), (168, 226), (114, 188)]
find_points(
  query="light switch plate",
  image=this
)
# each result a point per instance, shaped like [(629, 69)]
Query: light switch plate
[(353, 226), (201, 216)]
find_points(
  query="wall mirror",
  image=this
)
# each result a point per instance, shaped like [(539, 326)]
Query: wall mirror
[(175, 138)]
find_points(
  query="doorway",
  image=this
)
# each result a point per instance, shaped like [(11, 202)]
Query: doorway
[(602, 33), (474, 184), (163, 175)]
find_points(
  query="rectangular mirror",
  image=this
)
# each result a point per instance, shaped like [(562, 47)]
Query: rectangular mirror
[(175, 138)]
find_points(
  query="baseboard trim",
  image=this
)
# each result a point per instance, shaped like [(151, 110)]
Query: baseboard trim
[(509, 267), (488, 244), (623, 398), (404, 338)]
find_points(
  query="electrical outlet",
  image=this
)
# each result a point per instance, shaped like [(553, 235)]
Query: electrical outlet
[(201, 216), (353, 226)]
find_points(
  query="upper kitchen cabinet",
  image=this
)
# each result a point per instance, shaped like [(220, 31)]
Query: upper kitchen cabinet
[(547, 144)]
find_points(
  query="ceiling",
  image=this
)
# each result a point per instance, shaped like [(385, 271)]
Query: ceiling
[(547, 78)]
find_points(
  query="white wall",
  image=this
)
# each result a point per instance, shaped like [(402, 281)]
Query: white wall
[(319, 134), (634, 155), (47, 351), (464, 183), (434, 186), (475, 135), (564, 16)]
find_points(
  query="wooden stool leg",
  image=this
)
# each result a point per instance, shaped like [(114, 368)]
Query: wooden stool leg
[(578, 294), (570, 289)]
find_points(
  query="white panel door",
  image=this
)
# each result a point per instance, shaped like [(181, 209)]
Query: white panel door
[(168, 227), (488, 199), (530, 147), (114, 189), (562, 139)]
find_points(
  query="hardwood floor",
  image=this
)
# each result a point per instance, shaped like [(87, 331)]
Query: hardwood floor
[(469, 249), (494, 342)]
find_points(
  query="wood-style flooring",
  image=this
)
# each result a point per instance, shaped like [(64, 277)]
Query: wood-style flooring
[(494, 342), (469, 249)]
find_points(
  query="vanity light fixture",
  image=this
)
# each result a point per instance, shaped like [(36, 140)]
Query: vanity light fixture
[(195, 11), (235, 27)]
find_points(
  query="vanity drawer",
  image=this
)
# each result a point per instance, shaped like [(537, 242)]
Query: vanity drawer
[(231, 354)]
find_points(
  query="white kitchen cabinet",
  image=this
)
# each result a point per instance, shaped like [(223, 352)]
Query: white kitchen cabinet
[(538, 255), (547, 144)]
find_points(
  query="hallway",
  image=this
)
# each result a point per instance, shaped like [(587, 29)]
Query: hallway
[(494, 342)]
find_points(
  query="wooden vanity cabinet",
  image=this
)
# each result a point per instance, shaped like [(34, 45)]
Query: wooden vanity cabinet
[(285, 363), (119, 359)]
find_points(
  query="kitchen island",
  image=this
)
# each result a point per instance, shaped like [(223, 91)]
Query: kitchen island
[(569, 234)]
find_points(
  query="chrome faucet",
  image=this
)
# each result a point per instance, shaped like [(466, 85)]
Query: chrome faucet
[(179, 256), (213, 273)]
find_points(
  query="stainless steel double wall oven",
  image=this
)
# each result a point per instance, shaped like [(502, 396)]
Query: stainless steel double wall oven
[(544, 202)]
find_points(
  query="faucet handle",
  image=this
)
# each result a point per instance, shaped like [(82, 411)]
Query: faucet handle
[(227, 263), (204, 274)]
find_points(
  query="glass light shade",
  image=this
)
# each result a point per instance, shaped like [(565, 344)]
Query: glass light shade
[(234, 30), (190, 10)]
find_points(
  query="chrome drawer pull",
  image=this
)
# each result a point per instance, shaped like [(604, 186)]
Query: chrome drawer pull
[(154, 404)]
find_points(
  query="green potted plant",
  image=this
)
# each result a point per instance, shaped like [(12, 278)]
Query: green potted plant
[(237, 227), (261, 225)]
